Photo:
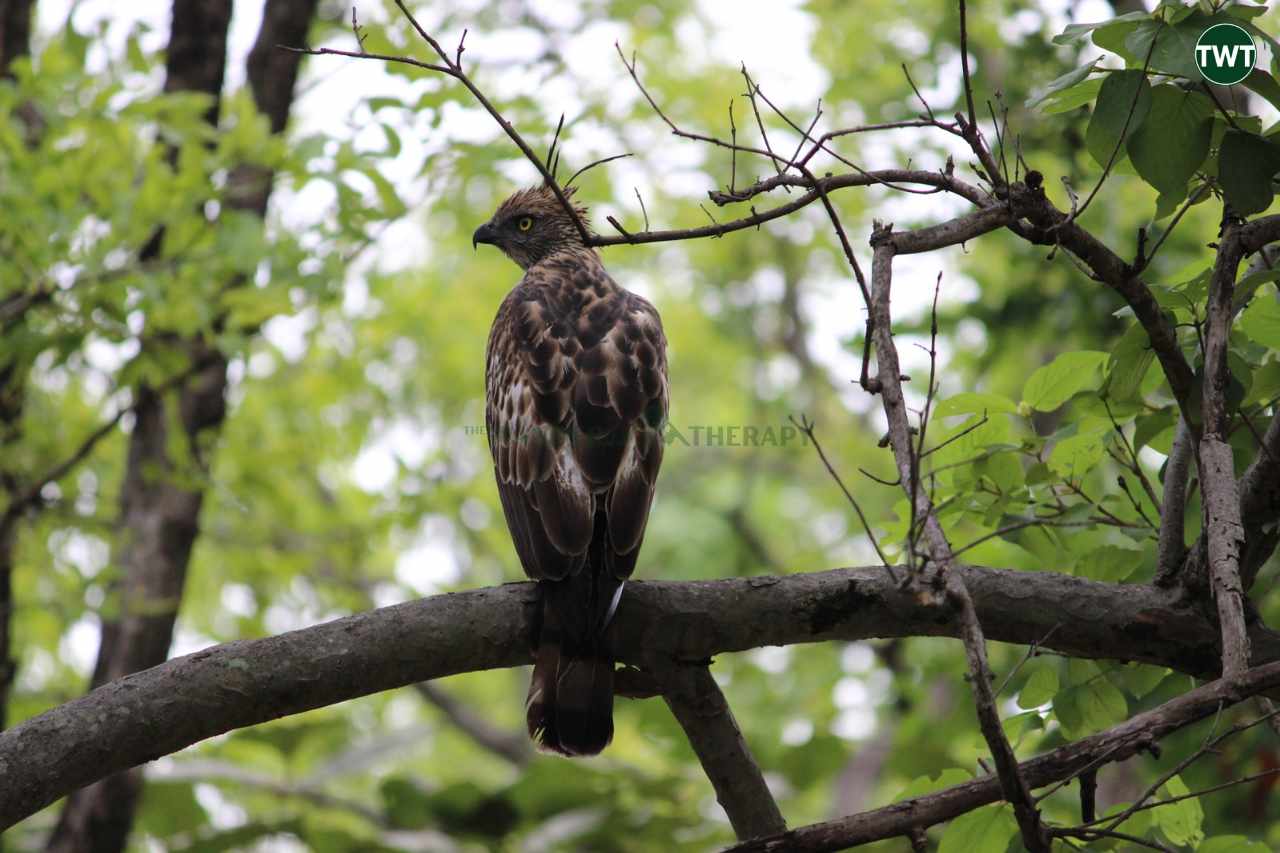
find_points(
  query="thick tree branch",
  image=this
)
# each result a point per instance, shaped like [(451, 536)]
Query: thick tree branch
[(702, 711), (184, 700), (1260, 504), (1222, 523), (953, 232), (1115, 744)]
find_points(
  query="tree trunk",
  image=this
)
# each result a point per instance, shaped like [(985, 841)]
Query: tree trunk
[(161, 508), (15, 41)]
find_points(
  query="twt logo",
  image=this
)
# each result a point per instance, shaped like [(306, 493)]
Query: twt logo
[(1225, 54)]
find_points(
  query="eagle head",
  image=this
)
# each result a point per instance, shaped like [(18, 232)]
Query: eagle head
[(532, 225)]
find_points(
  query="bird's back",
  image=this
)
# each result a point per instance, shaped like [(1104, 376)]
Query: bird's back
[(576, 403)]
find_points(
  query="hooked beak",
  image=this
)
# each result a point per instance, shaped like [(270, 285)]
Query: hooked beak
[(484, 234)]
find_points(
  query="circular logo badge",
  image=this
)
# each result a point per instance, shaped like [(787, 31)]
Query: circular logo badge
[(1225, 54)]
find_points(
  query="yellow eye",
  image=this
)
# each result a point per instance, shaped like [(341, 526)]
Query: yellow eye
[(525, 223)]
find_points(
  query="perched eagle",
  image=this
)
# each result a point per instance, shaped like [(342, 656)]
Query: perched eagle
[(575, 406)]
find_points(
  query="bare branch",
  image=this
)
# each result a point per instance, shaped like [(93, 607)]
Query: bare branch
[(1114, 744), (778, 164), (595, 163), (702, 711), (1172, 544), (1222, 521), (939, 180), (964, 66)]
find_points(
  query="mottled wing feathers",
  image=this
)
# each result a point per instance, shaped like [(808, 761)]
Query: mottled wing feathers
[(576, 401)]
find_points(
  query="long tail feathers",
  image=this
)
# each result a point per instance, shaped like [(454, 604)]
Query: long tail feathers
[(570, 704)]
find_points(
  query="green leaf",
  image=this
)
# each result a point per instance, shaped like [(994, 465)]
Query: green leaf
[(1110, 563), (1128, 364), (974, 402), (1139, 679), (1075, 456), (1041, 687), (1181, 821), (1196, 288), (928, 784), (1148, 427), (1018, 725), (985, 830), (1261, 322), (1167, 204), (1113, 36), (1247, 286), (1090, 706), (1074, 98), (1123, 103), (1232, 844), (1173, 140), (1077, 32), (1057, 85), (1053, 384), (1265, 85), (1004, 470), (1265, 385), (1137, 824), (1175, 46), (1246, 164)]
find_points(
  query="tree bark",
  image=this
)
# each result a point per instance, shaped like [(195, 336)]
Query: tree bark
[(15, 41), (15, 33), (160, 507), (163, 709)]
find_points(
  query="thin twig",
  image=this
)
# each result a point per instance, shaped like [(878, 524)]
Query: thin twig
[(806, 426), (964, 65), (764, 134), (642, 208), (595, 163)]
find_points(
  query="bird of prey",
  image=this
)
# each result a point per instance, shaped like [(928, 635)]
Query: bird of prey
[(575, 407)]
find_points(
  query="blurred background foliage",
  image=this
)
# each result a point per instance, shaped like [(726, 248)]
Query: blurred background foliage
[(353, 469)]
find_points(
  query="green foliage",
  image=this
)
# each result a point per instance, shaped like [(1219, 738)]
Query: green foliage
[(353, 468), (985, 830)]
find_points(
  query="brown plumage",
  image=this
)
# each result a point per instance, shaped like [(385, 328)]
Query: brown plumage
[(575, 407)]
